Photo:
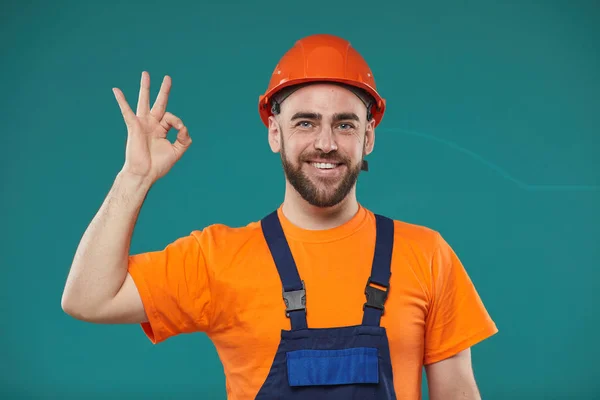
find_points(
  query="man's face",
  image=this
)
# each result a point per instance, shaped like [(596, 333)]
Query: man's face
[(322, 135)]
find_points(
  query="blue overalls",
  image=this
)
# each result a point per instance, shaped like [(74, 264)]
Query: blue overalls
[(330, 363)]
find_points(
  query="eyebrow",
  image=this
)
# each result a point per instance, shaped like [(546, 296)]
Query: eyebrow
[(316, 116), (345, 116), (307, 115)]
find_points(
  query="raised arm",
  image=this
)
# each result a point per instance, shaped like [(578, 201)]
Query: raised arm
[(98, 287)]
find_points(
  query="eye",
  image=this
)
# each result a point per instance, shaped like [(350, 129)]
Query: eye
[(346, 126), (305, 124)]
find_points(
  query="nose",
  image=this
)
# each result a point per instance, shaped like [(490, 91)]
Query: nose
[(325, 140)]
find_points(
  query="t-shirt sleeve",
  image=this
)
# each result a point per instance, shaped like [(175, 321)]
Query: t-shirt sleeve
[(174, 287), (457, 318)]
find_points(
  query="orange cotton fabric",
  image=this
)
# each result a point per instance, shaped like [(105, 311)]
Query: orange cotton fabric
[(223, 281)]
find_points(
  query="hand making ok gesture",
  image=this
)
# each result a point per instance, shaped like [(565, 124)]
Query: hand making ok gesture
[(149, 154)]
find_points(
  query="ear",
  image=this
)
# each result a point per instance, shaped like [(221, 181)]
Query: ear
[(274, 135), (369, 137)]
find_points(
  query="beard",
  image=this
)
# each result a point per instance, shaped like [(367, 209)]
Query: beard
[(325, 192)]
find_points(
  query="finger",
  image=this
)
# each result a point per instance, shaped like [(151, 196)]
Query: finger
[(126, 111), (169, 120), (143, 106), (160, 105), (183, 141)]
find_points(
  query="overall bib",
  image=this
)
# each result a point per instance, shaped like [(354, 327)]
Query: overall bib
[(330, 363)]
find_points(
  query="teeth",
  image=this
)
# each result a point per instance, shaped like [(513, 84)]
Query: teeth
[(324, 165)]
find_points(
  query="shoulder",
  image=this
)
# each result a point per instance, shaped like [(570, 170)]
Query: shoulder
[(417, 234), (417, 237), (417, 242), (416, 247), (218, 236)]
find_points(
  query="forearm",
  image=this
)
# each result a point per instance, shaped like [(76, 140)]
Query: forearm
[(99, 266)]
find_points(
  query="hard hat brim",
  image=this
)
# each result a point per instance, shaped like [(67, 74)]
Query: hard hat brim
[(264, 100)]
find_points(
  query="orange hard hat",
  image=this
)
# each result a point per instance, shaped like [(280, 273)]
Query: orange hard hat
[(322, 58)]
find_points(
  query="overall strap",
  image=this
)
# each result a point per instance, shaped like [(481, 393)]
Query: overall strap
[(294, 293), (380, 272)]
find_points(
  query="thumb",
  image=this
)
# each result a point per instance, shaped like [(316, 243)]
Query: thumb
[(183, 141)]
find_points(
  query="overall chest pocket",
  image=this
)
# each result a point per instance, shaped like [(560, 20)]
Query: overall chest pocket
[(358, 365)]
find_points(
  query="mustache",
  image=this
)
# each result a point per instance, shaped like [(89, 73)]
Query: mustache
[(333, 157)]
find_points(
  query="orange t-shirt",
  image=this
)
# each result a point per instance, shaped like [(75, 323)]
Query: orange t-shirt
[(223, 281)]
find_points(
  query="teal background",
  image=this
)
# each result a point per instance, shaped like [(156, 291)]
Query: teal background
[(491, 137)]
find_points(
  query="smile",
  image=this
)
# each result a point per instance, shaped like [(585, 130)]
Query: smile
[(321, 165), (326, 169)]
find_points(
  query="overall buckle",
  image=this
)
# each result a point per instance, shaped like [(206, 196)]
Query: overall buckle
[(375, 297), (295, 300)]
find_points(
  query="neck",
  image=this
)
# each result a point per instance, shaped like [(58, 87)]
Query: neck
[(306, 216)]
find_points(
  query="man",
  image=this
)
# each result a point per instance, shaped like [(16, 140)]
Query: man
[(321, 299)]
